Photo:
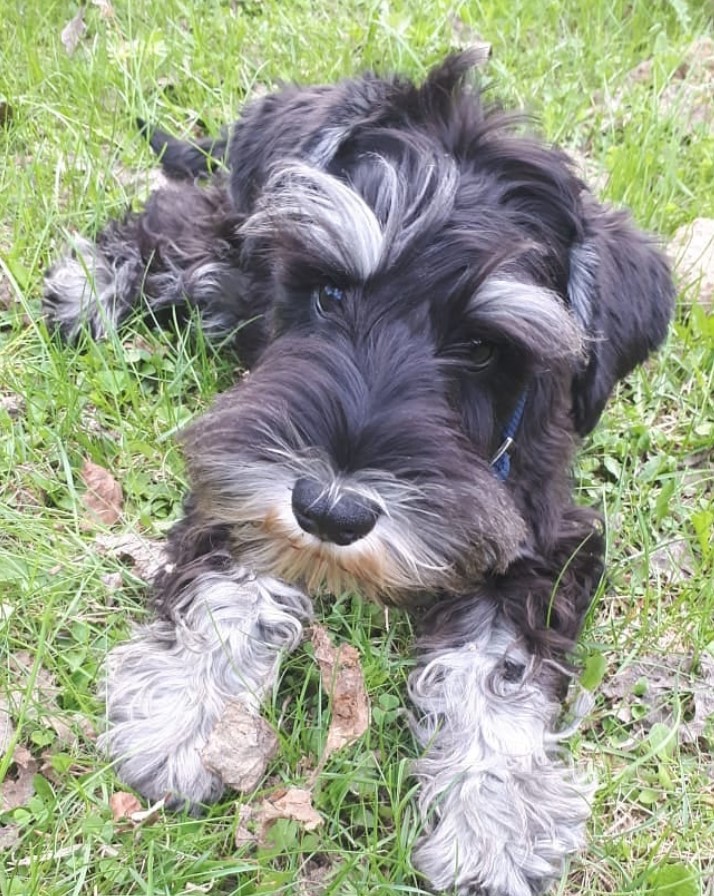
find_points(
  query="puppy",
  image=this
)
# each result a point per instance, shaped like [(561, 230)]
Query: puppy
[(435, 310)]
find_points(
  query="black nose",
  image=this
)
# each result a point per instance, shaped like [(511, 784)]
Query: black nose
[(342, 522)]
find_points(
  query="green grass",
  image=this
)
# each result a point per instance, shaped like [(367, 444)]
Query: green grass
[(71, 158)]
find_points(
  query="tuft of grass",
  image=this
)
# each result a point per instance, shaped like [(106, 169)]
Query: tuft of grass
[(71, 159)]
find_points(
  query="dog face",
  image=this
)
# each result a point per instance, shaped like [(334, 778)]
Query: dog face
[(417, 300)]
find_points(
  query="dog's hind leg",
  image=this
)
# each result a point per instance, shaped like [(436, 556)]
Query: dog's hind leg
[(179, 256), (502, 807), (168, 686)]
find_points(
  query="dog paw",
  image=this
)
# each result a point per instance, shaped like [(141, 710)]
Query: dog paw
[(167, 688), (502, 807)]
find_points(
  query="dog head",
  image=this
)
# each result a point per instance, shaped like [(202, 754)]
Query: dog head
[(440, 285)]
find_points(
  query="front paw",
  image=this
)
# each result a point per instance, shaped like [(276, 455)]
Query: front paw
[(503, 809), (159, 719)]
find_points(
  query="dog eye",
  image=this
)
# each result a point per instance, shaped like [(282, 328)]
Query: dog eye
[(481, 354), (326, 298)]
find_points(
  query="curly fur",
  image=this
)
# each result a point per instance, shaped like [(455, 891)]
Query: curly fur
[(403, 268)]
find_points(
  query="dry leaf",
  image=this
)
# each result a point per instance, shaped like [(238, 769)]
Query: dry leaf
[(145, 556), (244, 836), (240, 747), (313, 877), (294, 804), (73, 32), (9, 836), (103, 498), (342, 679), (703, 701), (17, 788), (654, 683), (7, 729), (692, 249), (13, 404), (673, 561), (41, 703), (123, 804)]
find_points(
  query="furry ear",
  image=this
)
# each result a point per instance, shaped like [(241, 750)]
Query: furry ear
[(620, 288)]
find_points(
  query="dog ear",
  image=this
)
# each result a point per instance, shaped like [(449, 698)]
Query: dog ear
[(620, 288)]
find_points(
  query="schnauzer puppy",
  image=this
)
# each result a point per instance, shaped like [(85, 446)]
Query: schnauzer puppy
[(435, 311)]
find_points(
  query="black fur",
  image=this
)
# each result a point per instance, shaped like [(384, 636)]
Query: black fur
[(399, 265)]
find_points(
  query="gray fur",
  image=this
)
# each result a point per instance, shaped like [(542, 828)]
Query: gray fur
[(90, 290), (167, 687), (408, 550), (543, 322), (582, 284), (331, 219), (501, 805)]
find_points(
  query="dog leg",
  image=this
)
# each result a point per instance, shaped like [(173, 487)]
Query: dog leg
[(502, 807), (180, 255), (167, 687)]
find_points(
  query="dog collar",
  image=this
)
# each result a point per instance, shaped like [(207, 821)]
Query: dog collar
[(501, 460)]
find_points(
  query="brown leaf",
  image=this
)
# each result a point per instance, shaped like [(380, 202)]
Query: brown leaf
[(240, 747), (244, 835), (17, 788), (9, 836), (123, 804), (655, 684), (342, 679), (313, 877), (7, 729), (294, 804), (703, 701), (146, 557), (103, 498), (73, 32)]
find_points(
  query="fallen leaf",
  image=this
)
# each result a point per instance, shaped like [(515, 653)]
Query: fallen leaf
[(294, 804), (7, 729), (313, 877), (9, 836), (103, 498), (692, 250), (145, 556), (673, 561), (73, 32), (39, 696), (702, 701), (244, 835), (240, 747), (122, 804), (655, 684), (13, 404), (18, 787), (343, 681)]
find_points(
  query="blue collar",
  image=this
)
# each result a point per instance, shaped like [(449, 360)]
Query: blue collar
[(501, 460)]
